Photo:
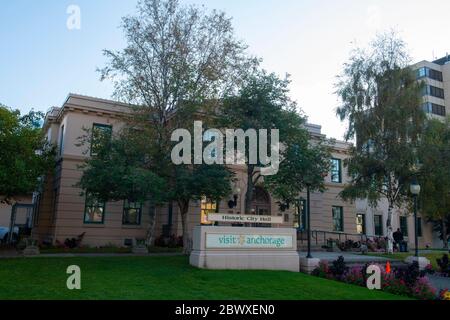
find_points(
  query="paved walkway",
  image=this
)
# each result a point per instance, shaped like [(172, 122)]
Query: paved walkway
[(348, 257)]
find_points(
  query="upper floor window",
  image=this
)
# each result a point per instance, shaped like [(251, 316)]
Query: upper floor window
[(433, 91), (61, 140), (336, 171), (94, 210), (429, 73), (434, 109), (132, 212), (99, 133)]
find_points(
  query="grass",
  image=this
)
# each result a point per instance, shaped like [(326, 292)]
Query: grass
[(168, 277), (432, 256)]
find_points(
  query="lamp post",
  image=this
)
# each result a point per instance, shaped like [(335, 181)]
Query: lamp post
[(415, 190)]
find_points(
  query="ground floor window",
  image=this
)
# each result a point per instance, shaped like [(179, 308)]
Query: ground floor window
[(378, 223), (338, 219), (361, 223), (94, 211), (132, 212), (207, 206), (404, 226), (419, 227)]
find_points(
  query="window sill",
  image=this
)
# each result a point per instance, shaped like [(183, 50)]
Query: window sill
[(93, 225), (131, 226)]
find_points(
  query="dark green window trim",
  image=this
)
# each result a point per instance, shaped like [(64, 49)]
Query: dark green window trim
[(88, 205), (336, 170), (94, 127), (133, 205), (338, 221)]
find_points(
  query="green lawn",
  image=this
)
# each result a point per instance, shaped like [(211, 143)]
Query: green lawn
[(162, 278), (403, 255)]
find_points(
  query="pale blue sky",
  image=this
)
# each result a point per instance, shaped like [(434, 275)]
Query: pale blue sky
[(41, 61)]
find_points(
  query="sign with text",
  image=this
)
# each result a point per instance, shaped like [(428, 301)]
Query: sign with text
[(242, 218), (248, 241)]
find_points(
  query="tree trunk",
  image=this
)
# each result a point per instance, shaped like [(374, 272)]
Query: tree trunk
[(184, 208), (444, 233), (249, 192), (389, 232), (151, 226)]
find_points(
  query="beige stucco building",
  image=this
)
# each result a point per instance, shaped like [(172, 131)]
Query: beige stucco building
[(62, 212)]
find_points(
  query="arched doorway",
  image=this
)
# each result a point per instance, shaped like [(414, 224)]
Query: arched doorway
[(261, 204)]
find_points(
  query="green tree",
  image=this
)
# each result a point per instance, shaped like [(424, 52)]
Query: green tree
[(381, 100), (263, 103), (435, 175), (25, 155), (179, 60)]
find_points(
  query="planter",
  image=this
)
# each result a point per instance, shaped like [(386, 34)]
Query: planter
[(31, 250)]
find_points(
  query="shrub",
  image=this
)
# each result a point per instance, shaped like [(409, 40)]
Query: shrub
[(390, 283), (355, 275), (348, 245), (338, 268), (409, 275), (423, 290), (444, 265), (322, 270), (73, 243)]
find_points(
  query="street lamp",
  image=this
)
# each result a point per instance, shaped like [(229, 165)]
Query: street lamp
[(415, 190)]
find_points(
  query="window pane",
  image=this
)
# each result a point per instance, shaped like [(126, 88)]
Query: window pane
[(338, 223), (94, 210), (100, 132)]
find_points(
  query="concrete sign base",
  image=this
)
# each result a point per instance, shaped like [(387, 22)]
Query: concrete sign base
[(245, 248)]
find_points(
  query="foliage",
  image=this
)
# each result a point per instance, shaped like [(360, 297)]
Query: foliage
[(400, 281), (25, 155), (338, 268), (263, 102), (170, 242), (380, 98), (73, 243), (120, 170), (434, 197), (348, 245), (179, 61)]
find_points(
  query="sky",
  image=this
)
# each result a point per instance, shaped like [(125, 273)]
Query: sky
[(42, 59)]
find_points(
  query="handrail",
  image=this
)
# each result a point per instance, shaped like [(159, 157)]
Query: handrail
[(326, 234)]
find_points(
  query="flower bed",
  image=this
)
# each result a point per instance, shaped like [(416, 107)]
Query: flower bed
[(408, 281)]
